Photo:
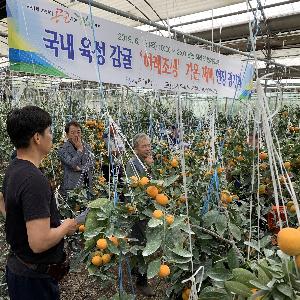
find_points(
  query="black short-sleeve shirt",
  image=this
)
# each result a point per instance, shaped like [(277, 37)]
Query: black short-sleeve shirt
[(28, 196)]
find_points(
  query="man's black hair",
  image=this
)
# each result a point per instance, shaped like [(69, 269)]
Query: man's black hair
[(71, 123), (23, 123)]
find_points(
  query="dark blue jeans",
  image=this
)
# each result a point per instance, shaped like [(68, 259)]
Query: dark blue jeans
[(28, 288)]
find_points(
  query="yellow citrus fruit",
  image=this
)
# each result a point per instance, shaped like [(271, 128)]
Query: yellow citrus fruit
[(289, 204), (240, 158), (287, 165), (157, 214), (182, 199), (292, 209), (81, 228), (170, 219), (239, 148), (164, 271), (106, 258), (162, 199), (97, 260), (174, 163), (143, 181), (130, 208), (263, 166), (289, 241), (114, 240), (263, 155), (102, 244), (262, 189), (152, 191)]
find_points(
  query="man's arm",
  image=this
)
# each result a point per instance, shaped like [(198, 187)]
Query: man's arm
[(2, 205), (41, 237)]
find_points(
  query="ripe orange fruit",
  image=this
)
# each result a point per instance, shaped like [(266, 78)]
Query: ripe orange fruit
[(220, 170), (240, 158), (152, 191), (174, 163), (287, 165), (157, 214), (102, 244), (143, 181), (225, 196), (263, 155), (134, 181), (289, 241), (297, 259), (186, 294), (81, 228), (164, 271), (114, 240), (170, 219), (97, 260), (106, 258), (162, 199)]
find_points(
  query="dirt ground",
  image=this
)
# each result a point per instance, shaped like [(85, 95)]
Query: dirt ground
[(78, 286)]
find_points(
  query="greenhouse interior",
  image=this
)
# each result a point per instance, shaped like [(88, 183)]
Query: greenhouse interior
[(150, 149)]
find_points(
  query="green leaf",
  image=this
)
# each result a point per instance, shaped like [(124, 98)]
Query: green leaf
[(178, 221), (219, 274), (154, 222), (210, 217), (285, 289), (153, 268), (153, 243), (235, 231), (252, 244), (232, 259), (221, 224), (258, 285), (181, 252), (91, 222), (88, 234), (170, 180), (262, 276), (238, 288), (243, 275), (98, 203)]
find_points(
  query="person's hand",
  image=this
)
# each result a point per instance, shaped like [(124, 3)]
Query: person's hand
[(70, 225), (78, 143), (149, 160)]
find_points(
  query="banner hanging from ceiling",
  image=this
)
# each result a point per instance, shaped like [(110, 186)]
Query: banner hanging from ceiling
[(46, 38)]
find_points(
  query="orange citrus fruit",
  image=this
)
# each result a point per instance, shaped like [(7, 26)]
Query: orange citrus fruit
[(97, 260), (152, 191), (162, 199), (170, 219), (143, 181), (102, 244), (106, 258), (157, 214), (164, 271)]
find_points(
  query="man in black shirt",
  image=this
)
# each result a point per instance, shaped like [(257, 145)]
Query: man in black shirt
[(33, 228), (77, 159)]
